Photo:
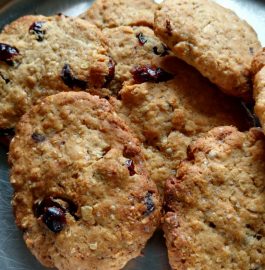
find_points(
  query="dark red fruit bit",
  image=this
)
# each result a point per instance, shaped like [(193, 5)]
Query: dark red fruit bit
[(36, 28), (6, 135), (163, 52), (7, 53), (37, 137), (252, 119), (70, 80), (110, 76), (141, 38), (149, 203), (168, 28), (130, 165), (54, 218), (143, 74)]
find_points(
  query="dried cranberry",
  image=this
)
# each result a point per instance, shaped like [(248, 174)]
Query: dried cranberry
[(37, 137), (110, 76), (7, 53), (54, 218), (143, 74), (130, 165), (141, 38), (149, 203), (36, 28), (6, 135), (161, 53), (70, 80)]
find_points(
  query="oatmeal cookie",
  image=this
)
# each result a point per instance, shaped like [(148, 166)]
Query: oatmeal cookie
[(131, 47), (166, 116), (113, 13), (82, 196), (41, 56), (258, 70), (211, 38), (216, 203)]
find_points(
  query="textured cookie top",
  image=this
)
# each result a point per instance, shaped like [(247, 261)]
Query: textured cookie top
[(82, 196), (40, 56), (216, 203), (258, 70), (113, 13), (131, 47), (167, 115), (211, 38)]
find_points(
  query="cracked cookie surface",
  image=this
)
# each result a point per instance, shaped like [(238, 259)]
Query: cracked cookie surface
[(166, 116), (211, 38), (41, 56), (82, 196), (216, 203)]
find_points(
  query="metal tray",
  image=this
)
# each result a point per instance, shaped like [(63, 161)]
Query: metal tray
[(13, 252)]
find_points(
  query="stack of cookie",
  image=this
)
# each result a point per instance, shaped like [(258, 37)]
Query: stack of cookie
[(130, 105)]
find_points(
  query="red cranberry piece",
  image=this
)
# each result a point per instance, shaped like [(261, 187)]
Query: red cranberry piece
[(54, 218), (147, 73), (141, 38), (36, 28), (149, 203), (37, 137), (130, 165), (70, 80), (6, 136), (110, 76), (7, 53), (161, 53)]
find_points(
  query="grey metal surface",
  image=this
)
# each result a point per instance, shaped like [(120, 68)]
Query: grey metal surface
[(13, 253)]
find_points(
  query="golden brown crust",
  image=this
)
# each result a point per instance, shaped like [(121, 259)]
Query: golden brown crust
[(258, 71), (166, 116), (211, 38), (61, 54), (216, 203), (74, 148), (113, 13)]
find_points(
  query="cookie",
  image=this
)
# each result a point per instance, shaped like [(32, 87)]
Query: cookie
[(113, 13), (41, 56), (131, 47), (166, 116), (82, 196), (258, 70), (216, 203), (211, 38)]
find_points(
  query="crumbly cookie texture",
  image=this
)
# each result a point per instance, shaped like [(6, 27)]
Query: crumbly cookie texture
[(82, 196), (216, 203), (113, 13), (166, 116), (258, 70), (41, 56), (211, 38), (131, 47)]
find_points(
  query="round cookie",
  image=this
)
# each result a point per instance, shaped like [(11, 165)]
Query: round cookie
[(211, 38), (131, 47), (113, 13), (216, 203), (166, 116), (82, 196), (258, 70), (41, 56)]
